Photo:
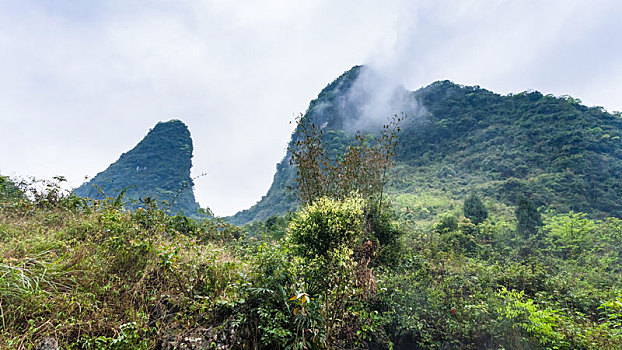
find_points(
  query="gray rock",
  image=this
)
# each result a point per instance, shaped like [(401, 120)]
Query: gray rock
[(190, 343), (48, 343)]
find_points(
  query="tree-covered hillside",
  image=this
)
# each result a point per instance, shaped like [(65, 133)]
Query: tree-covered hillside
[(561, 153), (157, 169), (461, 138)]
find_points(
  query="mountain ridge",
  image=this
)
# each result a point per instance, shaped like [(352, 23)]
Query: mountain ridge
[(463, 138)]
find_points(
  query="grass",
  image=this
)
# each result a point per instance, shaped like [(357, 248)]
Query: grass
[(100, 277)]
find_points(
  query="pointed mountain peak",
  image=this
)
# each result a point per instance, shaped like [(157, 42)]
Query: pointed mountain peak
[(360, 99), (158, 167)]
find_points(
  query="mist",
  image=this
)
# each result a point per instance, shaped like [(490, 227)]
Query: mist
[(377, 98)]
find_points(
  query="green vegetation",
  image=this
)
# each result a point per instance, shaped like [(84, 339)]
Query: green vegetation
[(474, 209), (561, 154), (99, 277), (528, 218), (157, 169), (464, 139), (391, 248), (9, 190), (323, 111)]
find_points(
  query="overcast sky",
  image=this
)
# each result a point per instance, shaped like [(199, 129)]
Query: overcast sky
[(83, 81)]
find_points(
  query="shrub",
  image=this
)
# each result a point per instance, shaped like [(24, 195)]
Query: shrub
[(325, 225)]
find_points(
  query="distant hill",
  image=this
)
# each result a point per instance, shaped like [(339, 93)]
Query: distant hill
[(158, 168), (459, 139)]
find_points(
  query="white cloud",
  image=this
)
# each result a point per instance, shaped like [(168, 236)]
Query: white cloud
[(83, 81)]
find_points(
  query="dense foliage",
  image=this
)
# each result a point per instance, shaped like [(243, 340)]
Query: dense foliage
[(8, 189), (156, 169), (559, 152), (528, 219), (423, 267), (462, 139), (95, 276), (474, 209)]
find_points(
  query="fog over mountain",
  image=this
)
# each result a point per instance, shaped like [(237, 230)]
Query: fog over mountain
[(457, 139)]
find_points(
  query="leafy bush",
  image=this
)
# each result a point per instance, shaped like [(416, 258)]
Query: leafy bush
[(326, 225)]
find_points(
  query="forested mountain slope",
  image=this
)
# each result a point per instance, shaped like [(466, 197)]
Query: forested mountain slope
[(462, 138), (158, 168)]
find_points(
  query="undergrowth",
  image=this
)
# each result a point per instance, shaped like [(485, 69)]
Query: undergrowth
[(333, 275)]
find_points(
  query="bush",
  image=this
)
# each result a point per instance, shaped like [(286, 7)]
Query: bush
[(326, 225)]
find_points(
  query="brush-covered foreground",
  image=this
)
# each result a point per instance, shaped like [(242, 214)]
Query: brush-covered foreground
[(331, 276)]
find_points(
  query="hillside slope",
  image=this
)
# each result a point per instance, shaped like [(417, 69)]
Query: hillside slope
[(459, 139), (158, 167), (563, 154)]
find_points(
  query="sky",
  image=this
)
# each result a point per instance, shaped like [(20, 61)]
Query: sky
[(81, 82)]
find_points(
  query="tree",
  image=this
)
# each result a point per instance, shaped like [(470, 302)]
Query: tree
[(474, 209), (571, 235), (309, 157), (358, 172), (528, 217), (9, 190), (362, 168)]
